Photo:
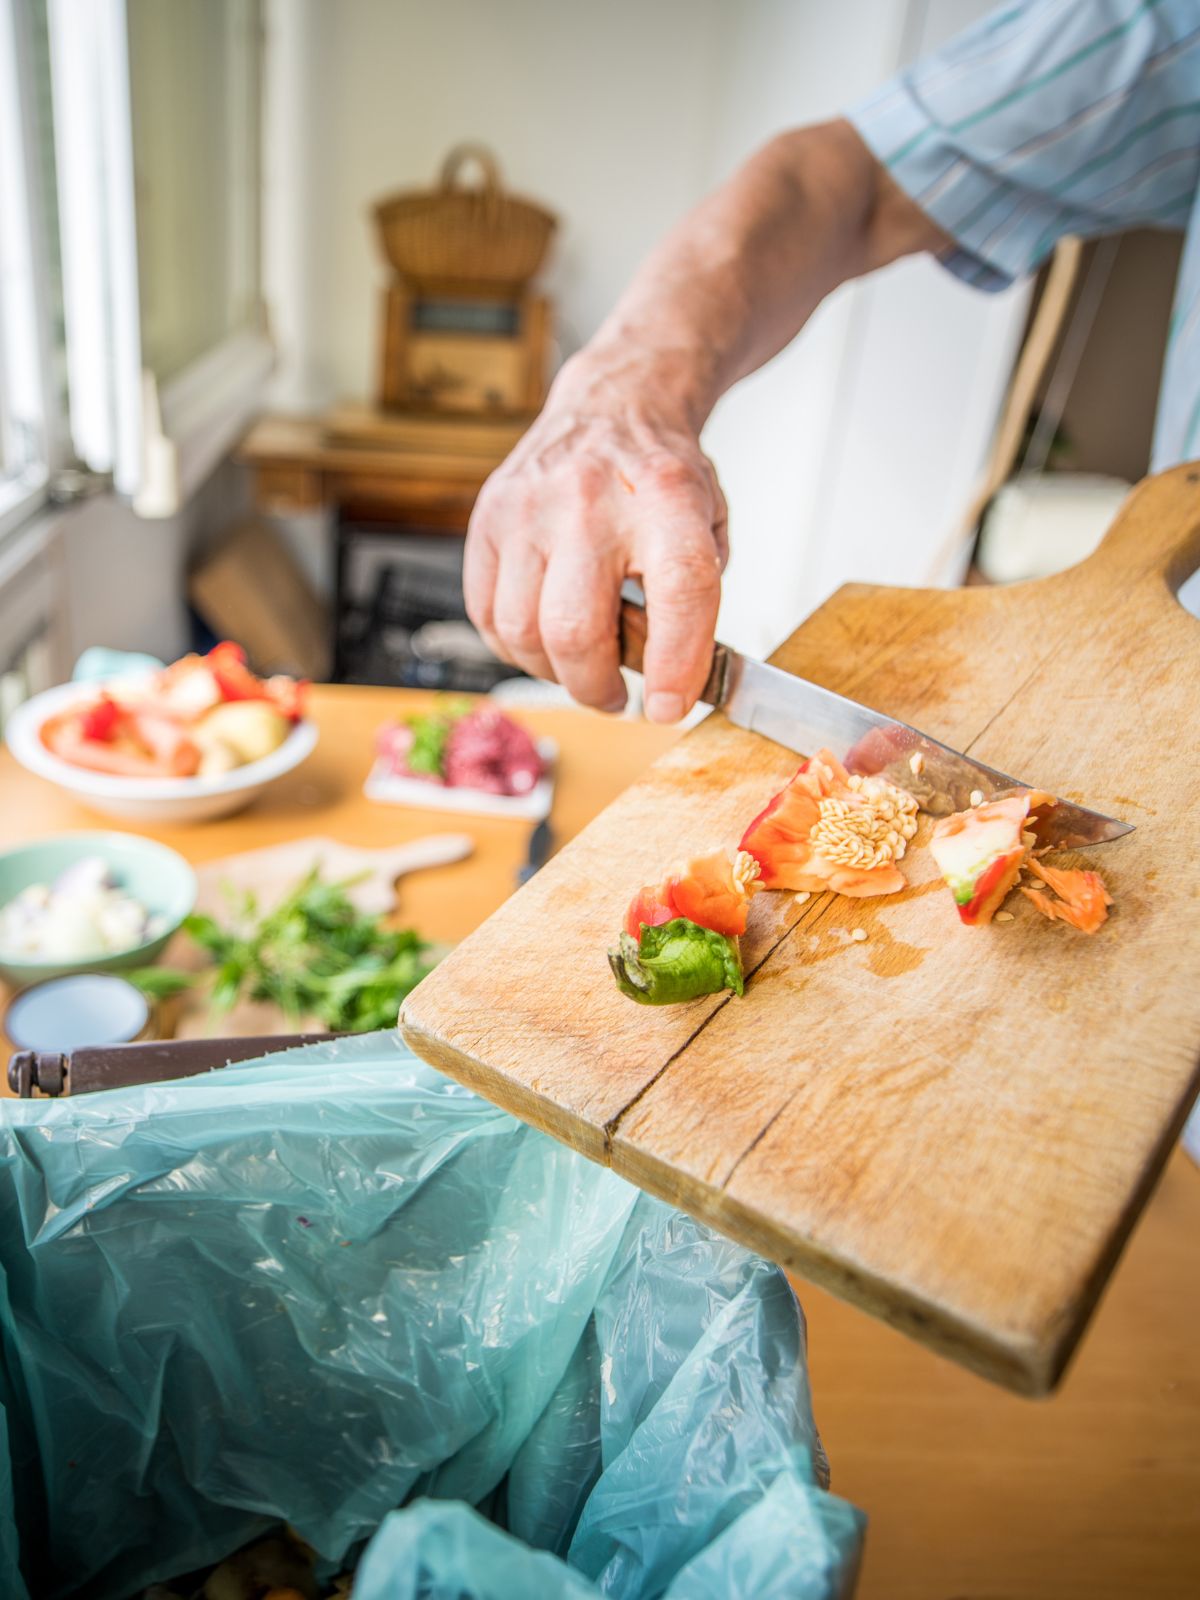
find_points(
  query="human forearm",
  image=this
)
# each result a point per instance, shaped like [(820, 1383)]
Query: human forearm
[(611, 480), (740, 275)]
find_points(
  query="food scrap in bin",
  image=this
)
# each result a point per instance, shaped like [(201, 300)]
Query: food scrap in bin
[(278, 1567)]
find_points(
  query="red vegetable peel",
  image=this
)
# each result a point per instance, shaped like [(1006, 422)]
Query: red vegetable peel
[(713, 891), (829, 830), (1082, 897), (981, 850)]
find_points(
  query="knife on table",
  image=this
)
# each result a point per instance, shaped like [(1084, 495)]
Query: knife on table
[(541, 845), (803, 717)]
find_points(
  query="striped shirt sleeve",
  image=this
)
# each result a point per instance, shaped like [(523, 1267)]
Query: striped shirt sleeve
[(1049, 117)]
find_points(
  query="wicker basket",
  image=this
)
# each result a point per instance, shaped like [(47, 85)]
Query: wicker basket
[(450, 237)]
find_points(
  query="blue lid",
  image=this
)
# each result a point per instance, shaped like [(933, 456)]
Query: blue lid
[(84, 1008)]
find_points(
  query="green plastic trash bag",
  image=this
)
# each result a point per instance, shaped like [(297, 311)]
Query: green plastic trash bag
[(337, 1290)]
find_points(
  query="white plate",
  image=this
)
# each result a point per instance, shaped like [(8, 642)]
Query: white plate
[(146, 799), (382, 784)]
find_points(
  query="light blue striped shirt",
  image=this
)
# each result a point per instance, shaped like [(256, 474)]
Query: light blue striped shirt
[(1053, 117)]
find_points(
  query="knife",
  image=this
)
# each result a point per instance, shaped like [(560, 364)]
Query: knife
[(541, 844), (803, 717)]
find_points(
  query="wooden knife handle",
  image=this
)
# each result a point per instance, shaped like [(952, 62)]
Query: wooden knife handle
[(634, 629)]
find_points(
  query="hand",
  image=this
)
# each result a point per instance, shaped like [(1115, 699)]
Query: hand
[(609, 483)]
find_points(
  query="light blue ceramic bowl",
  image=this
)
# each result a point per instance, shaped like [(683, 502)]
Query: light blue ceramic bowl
[(158, 877)]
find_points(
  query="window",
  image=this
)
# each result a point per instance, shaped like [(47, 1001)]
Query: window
[(194, 99), (195, 76), (25, 345), (156, 134), (132, 335)]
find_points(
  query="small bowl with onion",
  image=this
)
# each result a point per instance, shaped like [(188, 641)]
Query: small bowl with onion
[(88, 902), (195, 740)]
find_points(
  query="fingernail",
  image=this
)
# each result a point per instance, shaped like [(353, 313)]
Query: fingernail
[(662, 707), (617, 703)]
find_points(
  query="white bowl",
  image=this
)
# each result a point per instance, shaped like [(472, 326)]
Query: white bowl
[(147, 799)]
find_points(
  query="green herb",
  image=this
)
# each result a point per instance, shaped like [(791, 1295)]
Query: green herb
[(431, 733), (160, 983), (314, 955), (676, 961)]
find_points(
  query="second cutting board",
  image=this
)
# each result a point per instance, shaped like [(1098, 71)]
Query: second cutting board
[(271, 873)]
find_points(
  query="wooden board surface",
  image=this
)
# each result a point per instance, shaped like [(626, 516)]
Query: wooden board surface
[(955, 1128), (271, 873)]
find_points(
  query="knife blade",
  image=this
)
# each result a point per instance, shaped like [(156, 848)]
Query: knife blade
[(803, 717), (540, 848)]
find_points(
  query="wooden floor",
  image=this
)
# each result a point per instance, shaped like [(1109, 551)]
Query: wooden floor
[(975, 1494)]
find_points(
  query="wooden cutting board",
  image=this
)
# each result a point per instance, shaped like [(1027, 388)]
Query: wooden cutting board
[(954, 1128), (272, 873)]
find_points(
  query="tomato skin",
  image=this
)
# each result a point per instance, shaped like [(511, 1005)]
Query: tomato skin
[(704, 891), (648, 909), (991, 886), (102, 720), (287, 695), (227, 663), (710, 898)]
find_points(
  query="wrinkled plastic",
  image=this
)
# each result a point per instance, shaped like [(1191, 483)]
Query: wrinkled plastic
[(331, 1284)]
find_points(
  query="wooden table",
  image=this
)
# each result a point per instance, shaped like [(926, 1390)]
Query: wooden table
[(377, 474), (409, 471), (324, 796), (973, 1494)]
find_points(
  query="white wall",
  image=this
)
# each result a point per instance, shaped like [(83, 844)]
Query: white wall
[(124, 578), (602, 112), (774, 437), (852, 454)]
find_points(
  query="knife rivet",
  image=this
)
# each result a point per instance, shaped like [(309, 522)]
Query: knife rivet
[(976, 797)]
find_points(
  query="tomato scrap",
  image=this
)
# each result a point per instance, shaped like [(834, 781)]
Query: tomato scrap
[(101, 720), (981, 850), (788, 841), (1083, 900), (713, 891)]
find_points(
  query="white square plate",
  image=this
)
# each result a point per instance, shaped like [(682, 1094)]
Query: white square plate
[(385, 786)]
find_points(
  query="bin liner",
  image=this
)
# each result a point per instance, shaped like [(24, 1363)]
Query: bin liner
[(336, 1289)]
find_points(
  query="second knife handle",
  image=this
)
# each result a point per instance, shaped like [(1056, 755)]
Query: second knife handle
[(634, 628)]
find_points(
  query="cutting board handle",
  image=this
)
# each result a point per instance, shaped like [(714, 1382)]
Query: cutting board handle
[(1156, 535)]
